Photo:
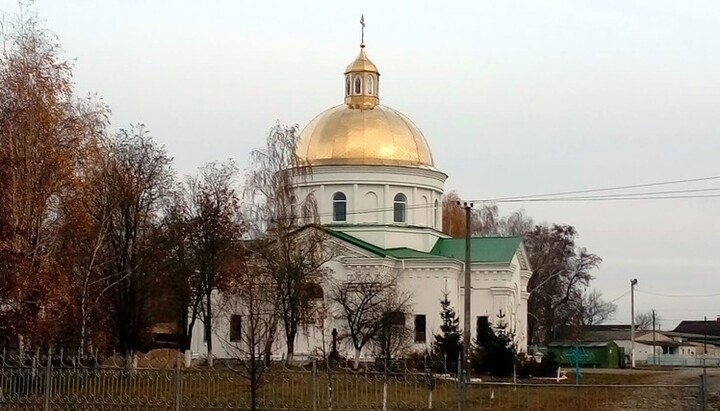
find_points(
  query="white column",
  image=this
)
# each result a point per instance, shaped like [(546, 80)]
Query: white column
[(414, 207), (355, 218), (387, 203)]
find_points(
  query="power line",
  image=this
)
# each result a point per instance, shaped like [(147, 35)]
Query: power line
[(656, 195), (619, 297), (649, 193), (598, 198), (595, 190), (679, 296)]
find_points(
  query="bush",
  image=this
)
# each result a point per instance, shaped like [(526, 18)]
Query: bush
[(526, 367), (548, 366), (494, 352)]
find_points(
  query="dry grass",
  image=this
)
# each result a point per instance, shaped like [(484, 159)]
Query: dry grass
[(222, 389)]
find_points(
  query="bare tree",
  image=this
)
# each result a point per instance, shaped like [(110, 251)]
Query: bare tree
[(393, 339), (561, 271), (204, 224), (593, 310), (296, 252), (644, 320), (248, 300), (128, 196), (361, 304)]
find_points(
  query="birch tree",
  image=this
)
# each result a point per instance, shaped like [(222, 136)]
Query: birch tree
[(295, 252)]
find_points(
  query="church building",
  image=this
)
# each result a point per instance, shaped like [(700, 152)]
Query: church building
[(379, 195)]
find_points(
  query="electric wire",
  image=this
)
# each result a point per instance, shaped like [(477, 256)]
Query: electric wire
[(553, 197), (595, 190), (678, 296), (619, 297)]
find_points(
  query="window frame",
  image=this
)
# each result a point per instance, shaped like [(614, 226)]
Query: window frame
[(337, 202), (400, 208), (357, 85), (235, 328), (420, 333)]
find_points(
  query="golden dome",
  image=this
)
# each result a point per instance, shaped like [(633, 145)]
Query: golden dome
[(361, 64), (377, 136)]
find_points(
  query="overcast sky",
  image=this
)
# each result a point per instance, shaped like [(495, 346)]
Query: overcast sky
[(514, 98)]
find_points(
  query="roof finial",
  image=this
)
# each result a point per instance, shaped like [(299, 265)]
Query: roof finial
[(362, 30)]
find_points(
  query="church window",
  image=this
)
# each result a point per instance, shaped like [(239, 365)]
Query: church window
[(235, 328), (347, 86), (436, 214), (393, 318), (358, 85), (339, 207), (420, 328), (399, 206), (369, 86)]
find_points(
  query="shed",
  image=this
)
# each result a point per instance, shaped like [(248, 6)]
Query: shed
[(604, 354)]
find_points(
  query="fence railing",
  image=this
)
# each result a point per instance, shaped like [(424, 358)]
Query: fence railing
[(56, 382), (676, 360)]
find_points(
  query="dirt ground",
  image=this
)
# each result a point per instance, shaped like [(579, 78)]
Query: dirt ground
[(670, 376)]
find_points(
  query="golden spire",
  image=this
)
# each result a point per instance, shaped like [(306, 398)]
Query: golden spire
[(362, 78)]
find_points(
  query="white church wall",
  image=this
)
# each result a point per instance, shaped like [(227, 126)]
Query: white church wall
[(495, 287), (426, 287), (371, 192)]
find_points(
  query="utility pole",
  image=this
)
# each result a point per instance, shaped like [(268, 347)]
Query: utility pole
[(705, 337), (633, 283), (468, 286), (653, 314)]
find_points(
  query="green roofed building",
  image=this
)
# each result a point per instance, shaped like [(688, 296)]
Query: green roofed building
[(600, 354), (379, 195)]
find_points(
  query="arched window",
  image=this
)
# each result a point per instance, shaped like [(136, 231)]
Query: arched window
[(436, 215), (339, 207), (399, 205), (369, 85), (358, 85), (347, 86)]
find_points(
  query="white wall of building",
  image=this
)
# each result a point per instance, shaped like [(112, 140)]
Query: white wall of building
[(370, 191), (495, 288)]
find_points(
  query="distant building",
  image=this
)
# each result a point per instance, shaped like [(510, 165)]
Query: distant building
[(680, 347)]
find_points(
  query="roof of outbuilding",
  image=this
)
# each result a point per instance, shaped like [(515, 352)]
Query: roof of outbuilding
[(711, 327), (582, 344)]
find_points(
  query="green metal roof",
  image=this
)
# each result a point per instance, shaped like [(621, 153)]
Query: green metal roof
[(357, 242), (404, 252), (483, 249)]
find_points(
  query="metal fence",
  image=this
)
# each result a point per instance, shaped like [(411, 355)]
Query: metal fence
[(676, 360), (57, 382)]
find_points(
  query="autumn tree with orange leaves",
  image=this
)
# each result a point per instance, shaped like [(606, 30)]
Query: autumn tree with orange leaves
[(44, 130)]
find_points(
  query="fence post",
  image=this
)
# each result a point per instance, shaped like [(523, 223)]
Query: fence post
[(703, 391), (178, 384), (48, 381), (314, 384), (461, 385)]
